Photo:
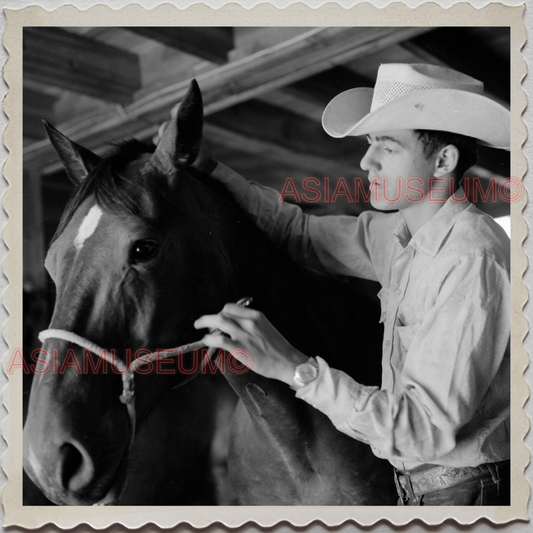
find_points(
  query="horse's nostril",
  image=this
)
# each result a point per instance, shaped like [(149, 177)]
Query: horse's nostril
[(76, 468)]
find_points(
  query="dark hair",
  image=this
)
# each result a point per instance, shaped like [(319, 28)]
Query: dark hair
[(433, 141)]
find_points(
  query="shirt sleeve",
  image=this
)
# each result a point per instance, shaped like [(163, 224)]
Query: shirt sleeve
[(343, 245), (453, 360)]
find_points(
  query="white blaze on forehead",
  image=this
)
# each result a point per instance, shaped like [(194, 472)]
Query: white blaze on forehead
[(87, 227)]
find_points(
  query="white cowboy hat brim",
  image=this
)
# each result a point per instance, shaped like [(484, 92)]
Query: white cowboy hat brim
[(453, 110)]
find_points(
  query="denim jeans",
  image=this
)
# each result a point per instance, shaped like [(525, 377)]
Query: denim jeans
[(491, 488)]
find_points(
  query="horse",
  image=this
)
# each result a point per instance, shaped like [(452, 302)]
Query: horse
[(148, 244)]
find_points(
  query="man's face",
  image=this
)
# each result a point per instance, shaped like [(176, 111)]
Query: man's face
[(397, 169)]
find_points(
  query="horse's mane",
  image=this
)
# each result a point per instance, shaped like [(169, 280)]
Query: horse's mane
[(110, 186), (108, 183)]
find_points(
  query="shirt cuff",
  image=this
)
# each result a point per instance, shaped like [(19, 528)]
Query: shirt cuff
[(335, 394)]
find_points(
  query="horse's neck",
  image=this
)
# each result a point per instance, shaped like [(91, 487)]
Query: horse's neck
[(318, 317), (314, 313), (257, 268), (317, 314)]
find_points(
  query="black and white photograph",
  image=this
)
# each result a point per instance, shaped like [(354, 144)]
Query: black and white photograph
[(269, 266)]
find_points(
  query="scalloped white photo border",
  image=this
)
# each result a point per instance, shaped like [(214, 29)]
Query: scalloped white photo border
[(363, 14)]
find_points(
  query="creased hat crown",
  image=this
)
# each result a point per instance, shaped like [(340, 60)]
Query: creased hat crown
[(398, 79)]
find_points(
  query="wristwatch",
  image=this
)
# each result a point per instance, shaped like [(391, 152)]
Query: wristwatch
[(305, 373)]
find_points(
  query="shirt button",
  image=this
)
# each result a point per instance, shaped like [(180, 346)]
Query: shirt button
[(384, 315), (387, 343), (398, 292)]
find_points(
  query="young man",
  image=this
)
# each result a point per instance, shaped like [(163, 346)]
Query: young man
[(441, 416)]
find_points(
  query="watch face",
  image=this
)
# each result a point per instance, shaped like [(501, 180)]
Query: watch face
[(306, 372)]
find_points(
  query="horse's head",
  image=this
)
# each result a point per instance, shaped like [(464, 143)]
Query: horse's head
[(135, 260)]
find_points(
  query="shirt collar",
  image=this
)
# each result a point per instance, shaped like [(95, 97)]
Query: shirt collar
[(431, 235)]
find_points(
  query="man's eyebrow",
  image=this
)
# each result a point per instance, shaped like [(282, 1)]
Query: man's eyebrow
[(389, 138)]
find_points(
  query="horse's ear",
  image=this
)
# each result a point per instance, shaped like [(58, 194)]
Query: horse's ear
[(182, 139), (77, 160)]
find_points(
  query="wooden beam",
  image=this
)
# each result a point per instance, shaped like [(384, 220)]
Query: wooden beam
[(314, 51), (56, 57), (37, 106), (308, 163), (259, 121), (212, 44), (249, 40), (309, 97)]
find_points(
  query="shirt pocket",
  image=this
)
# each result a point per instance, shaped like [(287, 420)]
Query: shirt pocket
[(405, 336), (383, 296)]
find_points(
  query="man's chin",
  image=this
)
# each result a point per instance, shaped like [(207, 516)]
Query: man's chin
[(381, 205)]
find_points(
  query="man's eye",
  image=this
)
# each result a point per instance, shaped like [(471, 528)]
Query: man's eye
[(143, 251)]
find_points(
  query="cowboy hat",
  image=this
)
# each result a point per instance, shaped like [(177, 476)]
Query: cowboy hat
[(419, 96)]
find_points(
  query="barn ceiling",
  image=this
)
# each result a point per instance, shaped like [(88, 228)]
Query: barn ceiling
[(264, 91)]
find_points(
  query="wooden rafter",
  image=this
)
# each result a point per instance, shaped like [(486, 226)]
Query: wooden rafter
[(309, 97), (315, 51), (53, 56), (262, 122), (212, 44)]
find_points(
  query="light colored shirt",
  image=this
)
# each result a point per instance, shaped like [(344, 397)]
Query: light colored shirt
[(445, 300)]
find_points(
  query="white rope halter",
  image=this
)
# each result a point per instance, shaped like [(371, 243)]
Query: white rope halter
[(128, 393)]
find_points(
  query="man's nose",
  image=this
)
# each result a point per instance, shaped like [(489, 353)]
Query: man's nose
[(369, 161)]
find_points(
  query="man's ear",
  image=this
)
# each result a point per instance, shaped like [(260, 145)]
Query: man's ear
[(446, 160)]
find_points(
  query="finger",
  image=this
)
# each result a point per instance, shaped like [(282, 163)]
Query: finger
[(237, 311), (159, 135), (220, 322), (205, 321), (219, 341)]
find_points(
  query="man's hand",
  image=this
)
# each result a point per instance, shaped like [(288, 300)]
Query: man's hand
[(271, 355)]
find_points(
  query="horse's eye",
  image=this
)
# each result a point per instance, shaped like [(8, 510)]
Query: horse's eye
[(143, 251)]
